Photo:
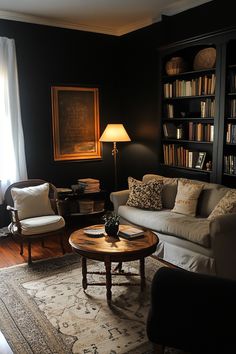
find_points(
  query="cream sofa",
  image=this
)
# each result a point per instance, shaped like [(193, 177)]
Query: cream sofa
[(193, 243)]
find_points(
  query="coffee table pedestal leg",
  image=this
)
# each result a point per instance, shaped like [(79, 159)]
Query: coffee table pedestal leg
[(84, 273), (108, 278), (142, 273)]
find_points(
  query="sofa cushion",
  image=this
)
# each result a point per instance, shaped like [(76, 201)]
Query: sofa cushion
[(145, 195), (187, 197), (209, 198), (169, 189), (226, 205), (190, 228)]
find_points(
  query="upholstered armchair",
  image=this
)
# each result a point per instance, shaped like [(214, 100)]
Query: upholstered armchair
[(192, 312), (34, 214)]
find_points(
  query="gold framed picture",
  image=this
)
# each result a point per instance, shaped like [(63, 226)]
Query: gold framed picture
[(75, 123)]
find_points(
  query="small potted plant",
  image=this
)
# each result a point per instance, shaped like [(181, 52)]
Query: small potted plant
[(112, 222)]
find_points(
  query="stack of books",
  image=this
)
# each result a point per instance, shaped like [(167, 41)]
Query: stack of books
[(130, 232), (91, 185)]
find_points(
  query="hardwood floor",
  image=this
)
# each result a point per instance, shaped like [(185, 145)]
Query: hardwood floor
[(10, 250)]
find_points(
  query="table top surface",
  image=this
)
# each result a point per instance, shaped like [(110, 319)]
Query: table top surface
[(110, 245)]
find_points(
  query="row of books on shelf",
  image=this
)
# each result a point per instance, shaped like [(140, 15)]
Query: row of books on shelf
[(231, 133), (175, 155), (170, 130), (232, 81), (205, 109), (169, 110), (232, 108), (203, 85), (200, 132), (193, 131), (230, 164)]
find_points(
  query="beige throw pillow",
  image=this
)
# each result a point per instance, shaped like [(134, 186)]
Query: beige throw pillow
[(226, 205), (145, 195), (187, 197), (32, 201)]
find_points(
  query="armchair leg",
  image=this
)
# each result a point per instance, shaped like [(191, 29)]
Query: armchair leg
[(21, 248), (29, 253), (62, 246), (158, 349)]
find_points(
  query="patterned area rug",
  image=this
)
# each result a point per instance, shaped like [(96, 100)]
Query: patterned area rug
[(4, 232), (43, 309)]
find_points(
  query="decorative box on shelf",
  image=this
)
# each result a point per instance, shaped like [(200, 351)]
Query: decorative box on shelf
[(86, 206)]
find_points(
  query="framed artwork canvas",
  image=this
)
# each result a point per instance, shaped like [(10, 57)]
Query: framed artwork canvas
[(75, 123)]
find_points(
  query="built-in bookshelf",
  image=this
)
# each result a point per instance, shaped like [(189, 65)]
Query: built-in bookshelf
[(197, 110), (188, 114), (229, 151)]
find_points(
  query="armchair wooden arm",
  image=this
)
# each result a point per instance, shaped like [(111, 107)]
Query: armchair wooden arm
[(15, 222)]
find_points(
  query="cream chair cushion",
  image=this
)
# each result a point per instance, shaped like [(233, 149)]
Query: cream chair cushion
[(32, 201), (41, 225)]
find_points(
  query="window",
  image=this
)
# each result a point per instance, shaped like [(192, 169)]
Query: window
[(12, 154)]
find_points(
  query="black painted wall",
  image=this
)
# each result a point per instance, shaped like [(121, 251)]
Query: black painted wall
[(140, 78), (50, 56), (125, 70)]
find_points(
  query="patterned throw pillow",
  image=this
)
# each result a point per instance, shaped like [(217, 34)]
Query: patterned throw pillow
[(145, 195), (187, 197), (226, 205)]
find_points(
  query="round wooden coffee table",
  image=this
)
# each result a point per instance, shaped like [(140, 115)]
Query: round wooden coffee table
[(108, 249)]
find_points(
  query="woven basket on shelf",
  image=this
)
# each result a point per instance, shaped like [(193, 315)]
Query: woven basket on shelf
[(86, 206), (205, 59), (99, 205), (175, 65)]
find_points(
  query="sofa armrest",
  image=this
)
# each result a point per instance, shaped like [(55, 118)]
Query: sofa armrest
[(119, 198), (223, 235)]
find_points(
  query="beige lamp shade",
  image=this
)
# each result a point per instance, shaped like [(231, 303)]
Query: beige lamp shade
[(114, 133)]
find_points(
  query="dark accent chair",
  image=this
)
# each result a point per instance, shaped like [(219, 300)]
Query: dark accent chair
[(40, 227), (192, 312)]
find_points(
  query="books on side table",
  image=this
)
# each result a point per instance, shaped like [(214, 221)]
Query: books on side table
[(130, 232), (91, 185)]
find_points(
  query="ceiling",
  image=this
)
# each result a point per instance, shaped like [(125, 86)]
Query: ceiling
[(114, 17)]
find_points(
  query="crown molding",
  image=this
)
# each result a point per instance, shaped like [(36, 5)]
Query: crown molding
[(169, 11), (181, 6), (135, 26), (15, 16)]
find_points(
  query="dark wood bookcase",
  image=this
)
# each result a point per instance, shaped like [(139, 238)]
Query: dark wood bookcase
[(229, 140), (197, 111)]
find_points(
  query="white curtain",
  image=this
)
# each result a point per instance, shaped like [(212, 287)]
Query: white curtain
[(12, 151)]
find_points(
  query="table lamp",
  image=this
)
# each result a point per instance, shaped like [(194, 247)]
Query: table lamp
[(112, 134)]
